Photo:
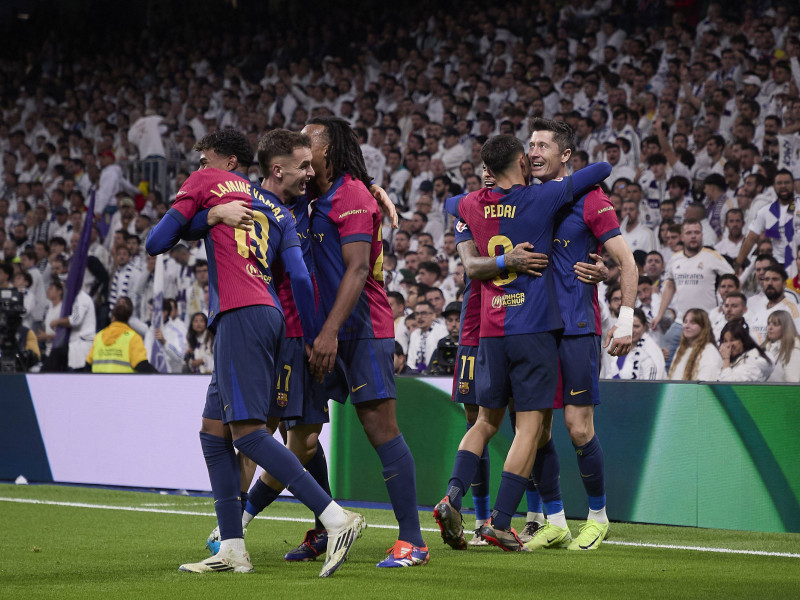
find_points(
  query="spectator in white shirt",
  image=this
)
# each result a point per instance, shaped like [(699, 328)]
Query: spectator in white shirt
[(55, 292), (690, 280), (783, 347), (82, 323), (728, 284), (731, 243), (645, 361), (423, 340), (773, 298), (697, 357), (637, 235), (742, 358)]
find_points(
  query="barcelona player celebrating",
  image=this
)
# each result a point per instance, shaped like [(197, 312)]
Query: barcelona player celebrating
[(247, 318), (517, 355), (582, 228), (358, 329)]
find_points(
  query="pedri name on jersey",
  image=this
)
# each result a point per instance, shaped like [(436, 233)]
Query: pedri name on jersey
[(499, 211), (244, 187)]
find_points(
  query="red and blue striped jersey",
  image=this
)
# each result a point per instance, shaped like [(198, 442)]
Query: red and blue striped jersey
[(471, 302), (348, 213), (580, 229), (299, 210), (239, 262), (515, 303)]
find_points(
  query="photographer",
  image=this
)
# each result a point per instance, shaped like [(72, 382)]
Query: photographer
[(19, 348), (444, 357)]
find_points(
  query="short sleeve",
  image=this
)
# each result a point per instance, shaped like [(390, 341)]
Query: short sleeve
[(353, 211), (463, 233), (668, 274), (189, 200), (599, 215), (758, 225)]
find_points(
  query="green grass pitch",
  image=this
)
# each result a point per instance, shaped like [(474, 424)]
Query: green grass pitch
[(81, 552)]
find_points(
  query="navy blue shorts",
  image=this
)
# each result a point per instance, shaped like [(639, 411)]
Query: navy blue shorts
[(464, 376), (365, 369), (245, 346), (580, 357), (523, 367), (299, 398)]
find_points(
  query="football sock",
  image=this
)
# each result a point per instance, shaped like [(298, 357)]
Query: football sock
[(512, 487), (590, 464), (223, 472), (235, 545), (260, 497), (400, 476), (480, 485), (546, 471), (463, 475), (535, 510), (557, 518), (333, 517), (275, 458), (598, 515), (318, 467), (243, 498)]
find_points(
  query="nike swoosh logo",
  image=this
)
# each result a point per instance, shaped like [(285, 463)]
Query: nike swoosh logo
[(574, 393), (553, 540), (355, 389), (591, 543), (585, 476), (391, 476), (226, 407)]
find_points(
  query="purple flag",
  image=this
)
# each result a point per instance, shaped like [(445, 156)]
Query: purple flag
[(77, 269)]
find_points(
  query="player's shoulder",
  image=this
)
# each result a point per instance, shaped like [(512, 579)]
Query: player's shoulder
[(352, 193)]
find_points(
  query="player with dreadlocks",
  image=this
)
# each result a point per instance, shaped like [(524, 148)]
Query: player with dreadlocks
[(357, 328)]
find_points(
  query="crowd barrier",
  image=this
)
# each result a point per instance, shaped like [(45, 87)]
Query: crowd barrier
[(724, 456)]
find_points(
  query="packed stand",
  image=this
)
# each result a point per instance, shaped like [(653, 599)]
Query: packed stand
[(698, 114)]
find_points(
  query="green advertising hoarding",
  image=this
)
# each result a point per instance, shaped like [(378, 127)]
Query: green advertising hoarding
[(675, 453)]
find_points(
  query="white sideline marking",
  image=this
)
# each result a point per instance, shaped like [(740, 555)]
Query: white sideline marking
[(299, 520)]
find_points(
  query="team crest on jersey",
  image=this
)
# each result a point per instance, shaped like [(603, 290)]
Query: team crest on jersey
[(558, 179), (463, 387), (283, 399), (461, 227), (699, 266)]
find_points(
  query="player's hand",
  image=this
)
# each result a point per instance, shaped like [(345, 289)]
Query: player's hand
[(234, 214), (522, 259), (591, 273), (323, 355), (619, 346), (386, 204)]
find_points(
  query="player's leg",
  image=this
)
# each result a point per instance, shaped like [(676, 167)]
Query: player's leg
[(530, 362), (534, 519), (369, 366), (480, 485), (223, 474), (580, 424), (464, 393), (513, 481), (581, 394), (248, 383)]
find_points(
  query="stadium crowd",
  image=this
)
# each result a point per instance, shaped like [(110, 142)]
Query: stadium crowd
[(698, 112)]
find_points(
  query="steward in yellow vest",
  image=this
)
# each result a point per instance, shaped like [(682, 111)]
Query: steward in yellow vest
[(118, 348)]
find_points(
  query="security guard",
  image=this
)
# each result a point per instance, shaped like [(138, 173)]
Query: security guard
[(118, 348)]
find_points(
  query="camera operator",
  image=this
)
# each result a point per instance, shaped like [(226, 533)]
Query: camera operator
[(19, 348), (444, 357)]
